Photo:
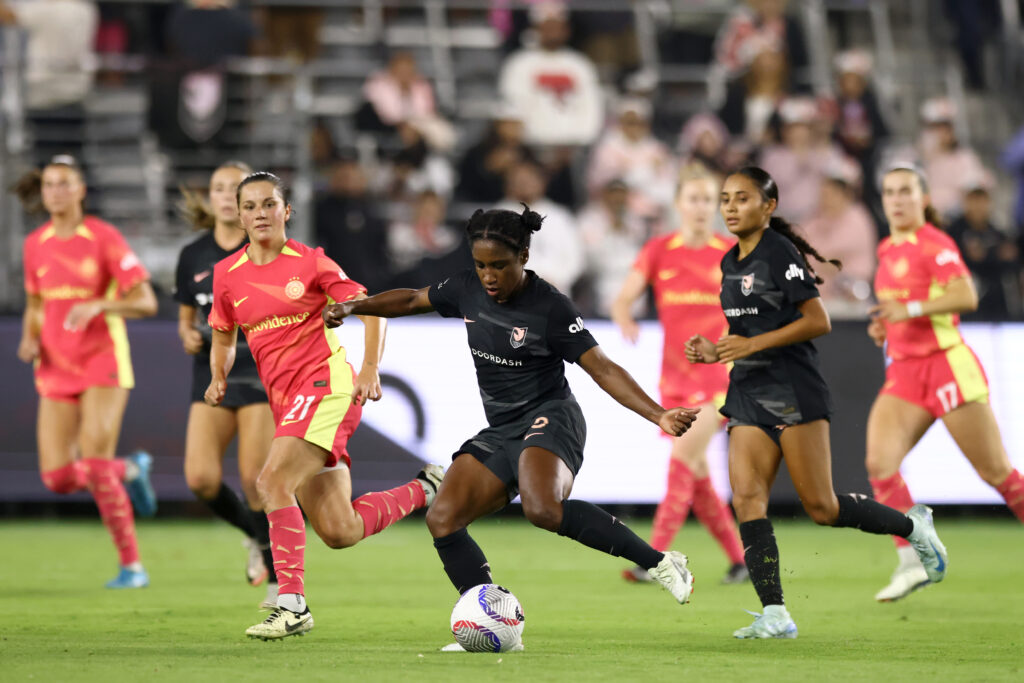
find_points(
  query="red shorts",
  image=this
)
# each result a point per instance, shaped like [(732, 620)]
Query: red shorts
[(59, 383), (939, 382), (321, 417), (695, 399)]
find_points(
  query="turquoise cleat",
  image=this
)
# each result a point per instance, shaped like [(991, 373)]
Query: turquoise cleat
[(128, 578), (140, 489)]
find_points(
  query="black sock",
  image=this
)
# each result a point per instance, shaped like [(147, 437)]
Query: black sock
[(261, 534), (762, 556), (463, 561), (593, 527), (230, 508), (860, 512)]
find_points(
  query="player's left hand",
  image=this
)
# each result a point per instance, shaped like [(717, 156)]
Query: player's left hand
[(80, 314), (891, 311), (335, 314), (732, 347), (676, 421), (367, 387)]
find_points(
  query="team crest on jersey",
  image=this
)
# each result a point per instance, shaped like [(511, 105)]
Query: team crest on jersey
[(88, 268), (294, 289), (747, 284), (518, 337), (900, 268)]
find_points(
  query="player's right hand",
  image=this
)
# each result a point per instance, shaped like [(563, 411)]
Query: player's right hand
[(192, 341), (335, 314), (676, 421), (629, 329), (700, 349), (876, 330), (28, 349), (215, 392)]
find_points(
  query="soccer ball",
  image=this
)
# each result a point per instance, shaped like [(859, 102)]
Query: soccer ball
[(487, 618)]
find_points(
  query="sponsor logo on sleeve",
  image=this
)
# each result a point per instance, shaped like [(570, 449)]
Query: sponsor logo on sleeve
[(129, 261), (577, 326), (518, 337), (947, 256), (794, 272)]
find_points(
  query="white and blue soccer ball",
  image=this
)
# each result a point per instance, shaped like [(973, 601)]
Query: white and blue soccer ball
[(488, 618)]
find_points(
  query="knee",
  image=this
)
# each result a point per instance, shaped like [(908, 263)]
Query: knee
[(546, 514), (269, 489), (995, 476), (204, 485), (440, 520), (749, 504), (339, 536), (823, 511)]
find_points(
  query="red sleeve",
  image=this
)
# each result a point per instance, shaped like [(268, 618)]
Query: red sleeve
[(29, 264), (221, 312), (944, 260), (645, 259), (333, 281), (121, 262)]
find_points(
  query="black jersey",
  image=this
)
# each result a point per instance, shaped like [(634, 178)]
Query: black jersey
[(760, 293), (519, 347), (194, 287)]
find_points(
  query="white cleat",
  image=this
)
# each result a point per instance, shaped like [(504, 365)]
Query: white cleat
[(455, 647), (905, 580), (672, 573), (255, 570), (774, 623), (430, 479), (926, 542), (280, 624)]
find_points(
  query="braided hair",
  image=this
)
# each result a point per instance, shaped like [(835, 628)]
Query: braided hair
[(770, 190), (501, 225)]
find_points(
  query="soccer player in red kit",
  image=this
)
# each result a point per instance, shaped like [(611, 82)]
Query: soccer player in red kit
[(683, 269), (81, 280), (922, 285), (275, 289)]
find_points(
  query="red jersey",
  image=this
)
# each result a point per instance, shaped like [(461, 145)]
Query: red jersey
[(278, 307), (686, 285), (94, 263), (918, 269)]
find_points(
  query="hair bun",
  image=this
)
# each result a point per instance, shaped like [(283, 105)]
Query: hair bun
[(531, 219)]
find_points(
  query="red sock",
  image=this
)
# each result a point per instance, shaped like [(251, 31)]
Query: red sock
[(716, 518), (115, 508), (1012, 491), (68, 479), (674, 507), (381, 509), (893, 492), (288, 545)]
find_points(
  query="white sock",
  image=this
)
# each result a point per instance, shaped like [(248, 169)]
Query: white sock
[(134, 566), (131, 470), (293, 602)]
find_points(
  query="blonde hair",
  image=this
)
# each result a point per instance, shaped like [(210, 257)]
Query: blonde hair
[(695, 171), (195, 208)]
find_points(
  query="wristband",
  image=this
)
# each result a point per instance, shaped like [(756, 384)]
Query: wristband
[(914, 309)]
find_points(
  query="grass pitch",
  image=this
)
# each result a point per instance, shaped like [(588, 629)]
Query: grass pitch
[(382, 610)]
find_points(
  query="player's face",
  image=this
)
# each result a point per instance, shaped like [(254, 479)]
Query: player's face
[(62, 189), (500, 268), (696, 204), (263, 211), (223, 185), (903, 201), (742, 207)]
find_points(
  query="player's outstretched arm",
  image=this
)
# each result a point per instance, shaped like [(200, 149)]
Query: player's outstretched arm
[(393, 303), (367, 386), (222, 358), (960, 296), (622, 314), (138, 302), (813, 322), (621, 386)]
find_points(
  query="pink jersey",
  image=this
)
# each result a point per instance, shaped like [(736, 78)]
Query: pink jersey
[(686, 285), (918, 269), (93, 263), (278, 307)]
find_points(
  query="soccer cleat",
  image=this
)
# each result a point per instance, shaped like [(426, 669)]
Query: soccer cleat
[(430, 479), (455, 647), (270, 602), (737, 574), (255, 570), (672, 573), (129, 578), (139, 488), (905, 580), (774, 623), (927, 544), (280, 624), (637, 574)]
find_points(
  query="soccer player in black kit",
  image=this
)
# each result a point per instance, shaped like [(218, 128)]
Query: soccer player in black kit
[(245, 410), (521, 330), (778, 404)]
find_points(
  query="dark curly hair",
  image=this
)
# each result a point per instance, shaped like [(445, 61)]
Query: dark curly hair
[(501, 225)]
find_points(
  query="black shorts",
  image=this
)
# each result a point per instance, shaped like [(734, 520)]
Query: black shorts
[(557, 426), (771, 416), (244, 389)]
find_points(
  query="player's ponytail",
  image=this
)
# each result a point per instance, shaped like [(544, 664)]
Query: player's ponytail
[(501, 225), (195, 209), (769, 190)]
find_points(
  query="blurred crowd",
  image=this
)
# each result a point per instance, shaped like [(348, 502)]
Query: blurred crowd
[(578, 133)]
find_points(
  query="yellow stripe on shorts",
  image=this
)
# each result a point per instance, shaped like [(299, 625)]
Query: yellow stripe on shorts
[(334, 406), (968, 374)]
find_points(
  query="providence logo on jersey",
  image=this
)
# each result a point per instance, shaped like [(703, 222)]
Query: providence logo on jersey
[(518, 337), (793, 272), (747, 284)]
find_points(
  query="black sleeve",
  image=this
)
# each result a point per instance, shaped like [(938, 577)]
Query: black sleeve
[(567, 334), (446, 295), (181, 277), (790, 272)]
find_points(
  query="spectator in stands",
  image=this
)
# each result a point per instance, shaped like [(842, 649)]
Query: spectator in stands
[(843, 228), (1013, 161), (350, 228), (612, 236), (411, 170), (556, 252), (988, 253), (555, 88), (628, 152), (483, 167), (860, 126), (426, 249), (752, 27), (292, 32), (798, 163), (946, 162), (704, 139), (323, 154), (752, 100)]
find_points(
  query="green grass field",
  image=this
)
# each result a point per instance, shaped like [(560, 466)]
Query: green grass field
[(382, 610)]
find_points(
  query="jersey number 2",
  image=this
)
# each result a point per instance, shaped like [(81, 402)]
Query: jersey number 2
[(301, 403), (948, 394)]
